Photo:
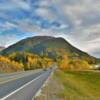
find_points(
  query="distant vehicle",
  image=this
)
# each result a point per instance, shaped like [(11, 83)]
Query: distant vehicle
[(50, 67), (45, 69)]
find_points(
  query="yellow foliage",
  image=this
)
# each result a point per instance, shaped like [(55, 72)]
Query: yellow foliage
[(78, 64), (4, 59), (7, 65), (63, 62), (24, 61)]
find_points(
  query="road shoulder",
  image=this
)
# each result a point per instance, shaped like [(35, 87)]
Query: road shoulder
[(50, 91)]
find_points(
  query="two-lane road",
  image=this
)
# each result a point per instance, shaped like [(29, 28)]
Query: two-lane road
[(8, 77), (24, 88)]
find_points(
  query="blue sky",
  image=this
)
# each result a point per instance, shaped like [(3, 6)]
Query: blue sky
[(78, 21)]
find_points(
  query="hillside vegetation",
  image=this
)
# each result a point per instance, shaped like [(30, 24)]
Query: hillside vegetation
[(41, 52), (23, 61), (40, 44)]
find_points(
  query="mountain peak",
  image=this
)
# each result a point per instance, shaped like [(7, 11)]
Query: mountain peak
[(38, 45)]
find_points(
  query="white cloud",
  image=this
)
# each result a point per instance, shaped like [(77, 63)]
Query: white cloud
[(7, 26), (79, 19), (21, 4), (14, 4), (85, 18), (7, 39), (45, 13)]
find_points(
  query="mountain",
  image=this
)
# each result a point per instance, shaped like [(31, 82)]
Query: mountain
[(40, 44), (1, 48)]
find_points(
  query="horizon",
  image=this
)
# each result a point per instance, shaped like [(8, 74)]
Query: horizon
[(20, 19)]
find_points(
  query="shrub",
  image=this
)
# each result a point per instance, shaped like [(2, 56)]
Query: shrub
[(78, 64)]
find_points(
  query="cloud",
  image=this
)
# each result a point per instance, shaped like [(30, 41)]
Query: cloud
[(7, 26), (76, 20), (7, 39), (45, 13), (14, 4)]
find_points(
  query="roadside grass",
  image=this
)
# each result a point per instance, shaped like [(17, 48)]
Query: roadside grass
[(78, 85)]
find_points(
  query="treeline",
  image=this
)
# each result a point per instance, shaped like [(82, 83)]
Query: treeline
[(18, 61), (66, 61), (23, 61), (31, 61)]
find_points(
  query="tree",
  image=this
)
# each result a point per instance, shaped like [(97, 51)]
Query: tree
[(63, 62), (78, 64), (8, 65)]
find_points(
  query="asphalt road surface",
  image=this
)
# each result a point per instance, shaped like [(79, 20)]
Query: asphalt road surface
[(24, 87), (8, 77)]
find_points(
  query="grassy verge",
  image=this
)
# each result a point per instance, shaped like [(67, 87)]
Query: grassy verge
[(82, 85)]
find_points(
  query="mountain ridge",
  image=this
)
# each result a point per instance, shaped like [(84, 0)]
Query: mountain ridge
[(1, 48), (39, 44)]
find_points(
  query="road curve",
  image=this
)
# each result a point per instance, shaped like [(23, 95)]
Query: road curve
[(24, 88)]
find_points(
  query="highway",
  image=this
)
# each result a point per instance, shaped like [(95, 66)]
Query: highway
[(8, 77), (23, 85)]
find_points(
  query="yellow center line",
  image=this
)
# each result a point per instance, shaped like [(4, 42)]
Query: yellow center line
[(10, 80), (14, 78)]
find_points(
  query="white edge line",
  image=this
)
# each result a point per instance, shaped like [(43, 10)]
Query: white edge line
[(20, 88), (42, 86)]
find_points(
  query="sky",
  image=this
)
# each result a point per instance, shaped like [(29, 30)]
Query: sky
[(78, 21)]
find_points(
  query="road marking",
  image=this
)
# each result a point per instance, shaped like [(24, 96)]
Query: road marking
[(8, 80), (16, 77), (4, 98), (40, 90)]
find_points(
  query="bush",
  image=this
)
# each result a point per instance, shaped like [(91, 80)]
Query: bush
[(77, 64)]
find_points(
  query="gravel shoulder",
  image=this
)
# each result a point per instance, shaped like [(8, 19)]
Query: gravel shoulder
[(51, 89)]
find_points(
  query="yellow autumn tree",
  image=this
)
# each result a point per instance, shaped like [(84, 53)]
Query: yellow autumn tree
[(63, 62), (7, 65), (46, 62)]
